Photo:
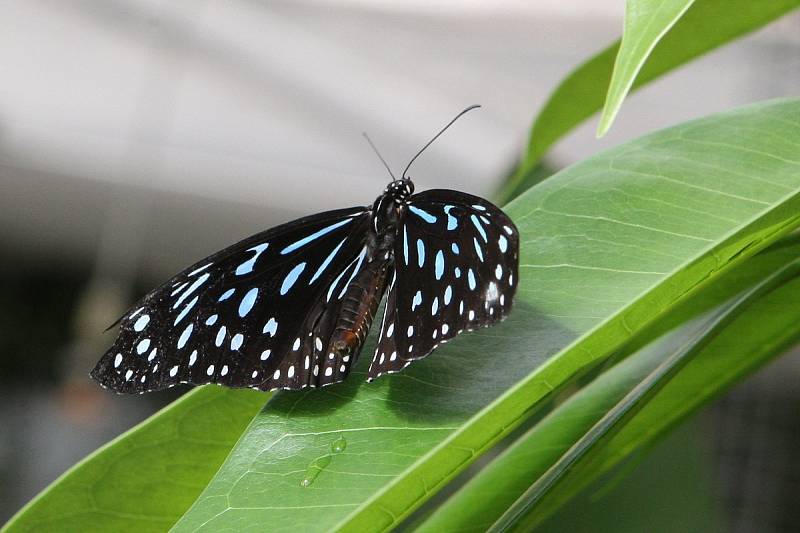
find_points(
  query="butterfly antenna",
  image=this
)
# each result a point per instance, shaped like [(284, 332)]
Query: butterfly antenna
[(364, 133), (470, 108)]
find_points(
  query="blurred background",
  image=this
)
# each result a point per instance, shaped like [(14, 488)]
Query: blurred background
[(137, 136)]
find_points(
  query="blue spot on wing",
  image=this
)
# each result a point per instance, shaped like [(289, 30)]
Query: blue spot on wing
[(247, 266), (248, 302), (327, 262), (314, 236), (355, 271), (452, 222), (291, 278), (477, 224), (193, 287), (185, 336), (185, 310), (236, 341), (220, 335), (270, 327), (405, 244), (439, 264), (424, 215), (478, 249), (420, 252), (141, 322)]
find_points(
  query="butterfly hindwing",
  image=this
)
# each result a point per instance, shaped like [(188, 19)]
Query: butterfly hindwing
[(256, 314), (456, 261)]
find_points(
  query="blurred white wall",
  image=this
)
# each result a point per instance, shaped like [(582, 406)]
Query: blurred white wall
[(148, 133)]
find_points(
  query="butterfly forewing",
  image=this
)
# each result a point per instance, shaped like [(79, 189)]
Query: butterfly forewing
[(256, 314), (456, 258)]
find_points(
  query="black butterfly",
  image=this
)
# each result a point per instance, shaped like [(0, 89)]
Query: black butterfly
[(290, 307)]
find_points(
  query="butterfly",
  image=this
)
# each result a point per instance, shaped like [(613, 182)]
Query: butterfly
[(290, 307)]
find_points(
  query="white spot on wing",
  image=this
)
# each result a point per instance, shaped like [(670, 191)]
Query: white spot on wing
[(270, 327), (502, 242), (417, 300), (198, 270)]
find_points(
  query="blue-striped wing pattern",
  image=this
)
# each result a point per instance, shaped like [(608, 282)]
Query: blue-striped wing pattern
[(456, 261), (257, 314)]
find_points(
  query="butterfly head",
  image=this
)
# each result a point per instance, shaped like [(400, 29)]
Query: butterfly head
[(400, 189)]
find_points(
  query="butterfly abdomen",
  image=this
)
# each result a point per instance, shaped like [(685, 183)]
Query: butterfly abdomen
[(359, 305)]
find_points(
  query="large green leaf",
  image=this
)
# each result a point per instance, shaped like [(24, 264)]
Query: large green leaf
[(559, 483), (646, 22), (768, 325), (706, 25), (146, 479), (727, 361), (609, 245)]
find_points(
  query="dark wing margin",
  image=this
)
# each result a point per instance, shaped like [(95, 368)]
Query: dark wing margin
[(456, 262), (257, 314)]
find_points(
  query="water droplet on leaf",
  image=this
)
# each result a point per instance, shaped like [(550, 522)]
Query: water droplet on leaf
[(316, 466), (339, 445)]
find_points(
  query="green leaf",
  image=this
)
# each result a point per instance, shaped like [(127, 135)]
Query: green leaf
[(677, 349), (646, 22), (529, 459), (609, 246), (763, 330), (702, 380), (146, 479), (706, 25)]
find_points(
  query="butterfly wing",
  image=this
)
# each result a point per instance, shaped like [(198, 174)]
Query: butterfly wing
[(257, 314), (456, 262)]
